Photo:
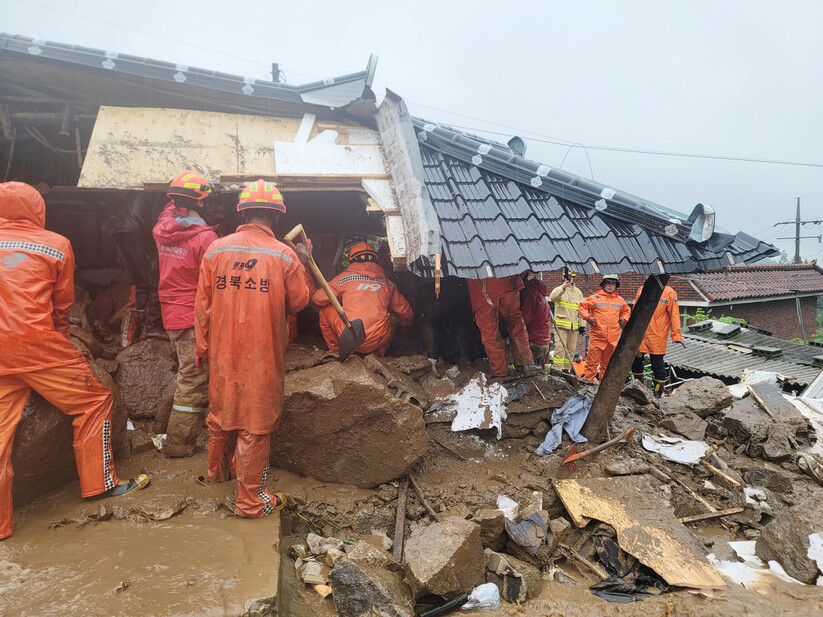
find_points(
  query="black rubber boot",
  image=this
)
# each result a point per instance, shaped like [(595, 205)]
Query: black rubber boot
[(658, 387)]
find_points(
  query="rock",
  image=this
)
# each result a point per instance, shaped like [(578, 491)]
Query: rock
[(437, 388), (627, 468), (87, 338), (703, 397), (690, 425), (387, 492), (786, 538), (461, 510), (638, 392), (140, 442), (358, 431), (298, 551), (516, 580), (746, 421), (323, 591), (445, 558), (367, 553), (318, 545), (314, 573), (82, 311), (361, 589), (559, 528), (767, 478), (333, 556), (766, 437), (146, 368), (110, 366), (492, 530), (42, 454)]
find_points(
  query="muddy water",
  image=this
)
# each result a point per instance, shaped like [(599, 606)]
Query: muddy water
[(194, 559)]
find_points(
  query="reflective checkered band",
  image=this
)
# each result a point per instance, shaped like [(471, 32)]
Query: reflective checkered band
[(360, 277), (557, 360), (34, 248), (664, 301), (108, 476), (249, 249), (184, 408), (263, 495)]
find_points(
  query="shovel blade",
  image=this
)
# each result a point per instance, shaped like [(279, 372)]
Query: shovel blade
[(351, 338)]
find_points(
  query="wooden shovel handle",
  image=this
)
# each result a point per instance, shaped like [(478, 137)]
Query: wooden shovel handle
[(289, 239)]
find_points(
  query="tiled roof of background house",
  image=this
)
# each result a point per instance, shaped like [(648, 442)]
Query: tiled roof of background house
[(759, 281), (500, 214)]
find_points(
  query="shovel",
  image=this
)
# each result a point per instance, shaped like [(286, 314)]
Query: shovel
[(354, 334), (572, 455)]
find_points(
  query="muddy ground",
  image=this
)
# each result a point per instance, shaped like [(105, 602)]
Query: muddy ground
[(175, 548)]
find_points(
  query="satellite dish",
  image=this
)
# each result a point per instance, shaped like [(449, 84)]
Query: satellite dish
[(518, 145)]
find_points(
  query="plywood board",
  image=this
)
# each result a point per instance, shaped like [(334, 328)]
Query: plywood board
[(646, 527), (134, 146)]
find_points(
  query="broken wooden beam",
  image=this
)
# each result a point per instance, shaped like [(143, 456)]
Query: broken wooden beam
[(597, 424), (422, 498), (400, 520), (710, 515)]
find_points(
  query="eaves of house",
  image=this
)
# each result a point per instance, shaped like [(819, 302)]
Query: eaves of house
[(744, 284)]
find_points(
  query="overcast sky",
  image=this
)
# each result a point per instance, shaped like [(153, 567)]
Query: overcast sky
[(740, 78)]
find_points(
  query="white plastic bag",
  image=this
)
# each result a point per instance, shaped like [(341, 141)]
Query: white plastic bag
[(486, 595)]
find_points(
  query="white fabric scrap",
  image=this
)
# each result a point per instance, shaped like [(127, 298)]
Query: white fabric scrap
[(481, 406), (676, 449), (752, 573)]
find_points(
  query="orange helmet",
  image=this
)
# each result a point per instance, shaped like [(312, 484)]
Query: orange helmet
[(190, 184), (360, 249), (261, 194)]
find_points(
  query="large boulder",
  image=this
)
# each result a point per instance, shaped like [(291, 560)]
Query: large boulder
[(341, 424), (786, 538), (146, 368), (42, 454), (363, 589), (766, 437), (445, 558), (517, 580), (703, 397)]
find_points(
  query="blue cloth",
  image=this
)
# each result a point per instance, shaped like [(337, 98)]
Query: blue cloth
[(571, 417)]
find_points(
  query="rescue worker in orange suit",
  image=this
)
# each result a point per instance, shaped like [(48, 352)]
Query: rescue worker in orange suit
[(249, 283), (606, 312), (666, 318), (182, 238), (537, 316), (36, 294), (366, 293), (494, 299)]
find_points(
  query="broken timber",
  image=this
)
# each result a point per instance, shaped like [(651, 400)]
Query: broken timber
[(400, 520), (710, 515), (597, 424)]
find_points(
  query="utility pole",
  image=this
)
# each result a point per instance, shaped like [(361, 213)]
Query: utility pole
[(797, 237)]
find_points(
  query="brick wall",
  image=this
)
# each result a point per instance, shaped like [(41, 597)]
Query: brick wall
[(777, 316), (629, 284)]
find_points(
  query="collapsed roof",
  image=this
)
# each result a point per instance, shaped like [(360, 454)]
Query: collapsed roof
[(500, 214)]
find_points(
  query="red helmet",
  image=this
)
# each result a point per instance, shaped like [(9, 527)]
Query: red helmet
[(261, 194), (190, 184), (361, 248)]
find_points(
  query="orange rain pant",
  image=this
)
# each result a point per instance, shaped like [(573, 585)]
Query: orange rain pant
[(599, 354), (487, 317), (246, 456), (74, 390)]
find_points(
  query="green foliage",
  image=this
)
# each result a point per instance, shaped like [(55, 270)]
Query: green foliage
[(701, 315)]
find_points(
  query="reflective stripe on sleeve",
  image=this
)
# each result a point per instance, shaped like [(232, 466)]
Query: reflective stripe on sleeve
[(249, 249)]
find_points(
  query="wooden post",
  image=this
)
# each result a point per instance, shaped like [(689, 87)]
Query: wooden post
[(400, 520), (597, 424)]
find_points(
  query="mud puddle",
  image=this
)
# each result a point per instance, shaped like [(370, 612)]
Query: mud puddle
[(170, 550)]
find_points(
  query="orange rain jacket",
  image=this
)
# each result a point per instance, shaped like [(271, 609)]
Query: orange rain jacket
[(365, 293), (249, 283), (36, 294), (607, 309), (666, 317)]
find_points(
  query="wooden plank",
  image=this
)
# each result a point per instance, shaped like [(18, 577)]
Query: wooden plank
[(646, 527), (597, 424), (400, 520), (770, 399), (710, 515)]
